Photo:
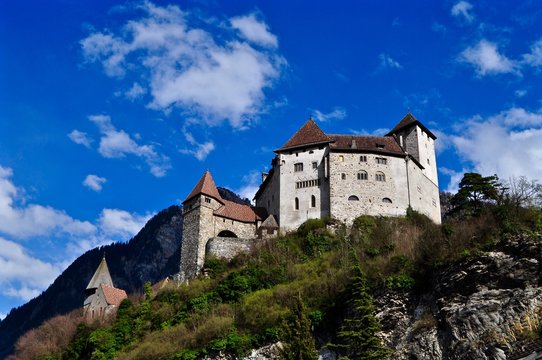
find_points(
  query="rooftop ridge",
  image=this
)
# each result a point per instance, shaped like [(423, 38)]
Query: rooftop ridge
[(206, 186), (309, 133)]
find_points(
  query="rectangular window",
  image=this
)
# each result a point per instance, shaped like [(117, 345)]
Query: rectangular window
[(298, 167), (382, 161), (314, 165), (307, 183), (343, 176), (207, 200), (362, 175), (341, 158), (363, 158)]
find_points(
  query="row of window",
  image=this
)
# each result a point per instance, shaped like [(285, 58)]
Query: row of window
[(313, 202), (307, 183), (363, 158), (355, 198), (350, 198), (362, 175)]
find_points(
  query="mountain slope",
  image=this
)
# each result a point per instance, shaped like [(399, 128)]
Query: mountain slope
[(151, 255)]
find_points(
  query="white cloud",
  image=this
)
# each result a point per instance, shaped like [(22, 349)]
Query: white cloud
[(455, 178), (199, 150), (2, 316), (254, 30), (534, 58), (462, 9), (507, 144), (386, 62), (520, 93), (214, 77), (337, 113), (115, 222), (117, 144), (22, 275), (487, 60), (32, 219), (80, 138), (94, 182), (376, 132), (251, 183), (135, 92)]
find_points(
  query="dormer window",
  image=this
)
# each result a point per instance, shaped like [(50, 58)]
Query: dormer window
[(380, 146)]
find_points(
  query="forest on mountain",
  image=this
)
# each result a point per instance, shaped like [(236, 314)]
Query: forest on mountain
[(384, 287)]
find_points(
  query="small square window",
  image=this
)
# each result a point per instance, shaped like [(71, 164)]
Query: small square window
[(298, 167), (363, 158), (207, 200), (315, 165)]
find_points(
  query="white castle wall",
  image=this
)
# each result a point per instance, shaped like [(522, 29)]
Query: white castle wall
[(290, 217)]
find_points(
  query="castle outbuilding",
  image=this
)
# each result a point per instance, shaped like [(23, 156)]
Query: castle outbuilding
[(315, 175), (217, 227), (102, 298)]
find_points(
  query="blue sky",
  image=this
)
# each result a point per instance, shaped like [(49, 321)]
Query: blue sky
[(111, 111)]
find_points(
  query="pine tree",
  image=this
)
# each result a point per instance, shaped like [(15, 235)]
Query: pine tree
[(358, 333), (298, 339)]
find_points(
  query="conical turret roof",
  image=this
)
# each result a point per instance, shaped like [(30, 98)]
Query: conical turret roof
[(206, 185), (101, 276), (308, 134)]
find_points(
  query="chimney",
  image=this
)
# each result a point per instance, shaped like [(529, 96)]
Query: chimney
[(354, 146)]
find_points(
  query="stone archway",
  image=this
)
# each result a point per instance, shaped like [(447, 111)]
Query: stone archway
[(227, 233)]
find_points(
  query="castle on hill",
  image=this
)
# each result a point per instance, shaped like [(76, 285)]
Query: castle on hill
[(316, 175)]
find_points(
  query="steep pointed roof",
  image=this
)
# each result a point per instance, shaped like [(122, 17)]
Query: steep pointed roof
[(101, 276), (308, 134), (206, 185), (407, 121)]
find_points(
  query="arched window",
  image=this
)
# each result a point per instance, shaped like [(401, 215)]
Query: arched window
[(341, 158), (386, 200), (227, 233), (313, 201), (379, 176), (296, 204), (353, 198), (362, 175)]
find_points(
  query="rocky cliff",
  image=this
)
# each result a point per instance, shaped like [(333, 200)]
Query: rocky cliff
[(479, 308)]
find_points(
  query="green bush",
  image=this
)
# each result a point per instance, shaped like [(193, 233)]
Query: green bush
[(311, 225)]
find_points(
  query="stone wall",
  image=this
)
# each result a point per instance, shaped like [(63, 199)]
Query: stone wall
[(227, 247), (344, 169), (269, 198), (290, 217), (241, 229)]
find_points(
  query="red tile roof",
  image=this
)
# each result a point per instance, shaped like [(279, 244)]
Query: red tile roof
[(113, 296), (309, 133), (383, 144), (409, 120), (206, 185), (239, 212)]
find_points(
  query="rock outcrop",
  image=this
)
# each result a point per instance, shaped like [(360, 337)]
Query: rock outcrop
[(479, 308)]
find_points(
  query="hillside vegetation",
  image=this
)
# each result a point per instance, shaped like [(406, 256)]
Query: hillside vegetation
[(310, 288)]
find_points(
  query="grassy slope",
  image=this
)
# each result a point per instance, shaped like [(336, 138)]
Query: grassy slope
[(243, 304)]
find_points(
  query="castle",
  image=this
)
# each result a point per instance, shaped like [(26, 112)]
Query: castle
[(316, 175)]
